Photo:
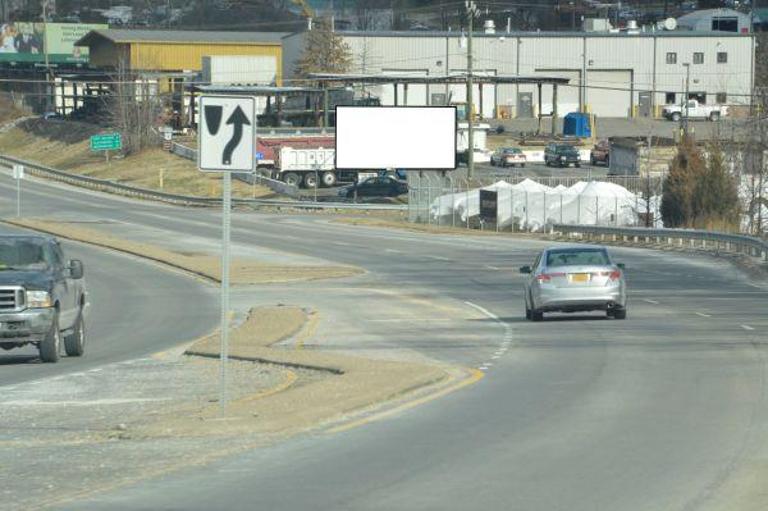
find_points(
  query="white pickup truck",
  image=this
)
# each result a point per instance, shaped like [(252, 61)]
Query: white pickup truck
[(694, 110)]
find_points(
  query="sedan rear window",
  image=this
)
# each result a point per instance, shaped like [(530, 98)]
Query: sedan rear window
[(577, 257)]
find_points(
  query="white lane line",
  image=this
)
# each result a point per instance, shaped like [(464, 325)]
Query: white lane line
[(342, 244), (747, 327), (483, 368), (652, 302), (703, 315), (494, 268), (412, 320), (438, 258), (393, 251), (484, 311), (495, 357)]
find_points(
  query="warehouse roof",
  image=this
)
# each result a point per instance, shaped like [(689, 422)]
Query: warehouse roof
[(181, 36), (500, 34), (454, 78), (253, 90)]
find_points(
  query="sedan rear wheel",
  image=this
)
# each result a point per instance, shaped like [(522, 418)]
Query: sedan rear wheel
[(537, 315), (620, 313)]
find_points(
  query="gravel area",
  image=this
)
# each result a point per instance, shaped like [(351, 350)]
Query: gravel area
[(63, 436)]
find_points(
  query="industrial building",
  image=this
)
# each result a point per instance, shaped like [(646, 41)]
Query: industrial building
[(158, 51), (624, 74)]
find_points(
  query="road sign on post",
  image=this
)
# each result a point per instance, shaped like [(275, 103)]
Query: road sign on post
[(106, 142), (227, 133), (226, 136)]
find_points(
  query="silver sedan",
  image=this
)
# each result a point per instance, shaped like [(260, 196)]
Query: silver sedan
[(574, 279)]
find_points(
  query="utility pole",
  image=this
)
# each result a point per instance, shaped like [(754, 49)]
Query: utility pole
[(471, 13), (685, 98), (45, 54)]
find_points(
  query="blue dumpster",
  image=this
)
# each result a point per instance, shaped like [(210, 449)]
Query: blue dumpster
[(576, 124)]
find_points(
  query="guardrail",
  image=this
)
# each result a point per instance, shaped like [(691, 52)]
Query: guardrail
[(183, 151), (105, 185), (707, 240)]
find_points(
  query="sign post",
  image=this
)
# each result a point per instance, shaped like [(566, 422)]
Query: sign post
[(18, 175), (226, 138)]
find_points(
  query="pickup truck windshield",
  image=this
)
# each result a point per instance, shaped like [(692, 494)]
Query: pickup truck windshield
[(21, 255)]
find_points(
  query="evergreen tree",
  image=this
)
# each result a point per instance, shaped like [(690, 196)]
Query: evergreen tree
[(716, 201), (677, 201), (324, 52)]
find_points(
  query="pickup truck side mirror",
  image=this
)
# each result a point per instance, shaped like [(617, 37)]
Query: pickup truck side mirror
[(621, 266), (76, 269), (525, 269)]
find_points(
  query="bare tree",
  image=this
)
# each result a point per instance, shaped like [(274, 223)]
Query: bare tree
[(134, 109), (755, 165)]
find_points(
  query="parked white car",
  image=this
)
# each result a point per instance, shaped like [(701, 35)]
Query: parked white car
[(694, 110)]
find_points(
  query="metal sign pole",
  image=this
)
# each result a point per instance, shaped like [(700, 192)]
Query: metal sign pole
[(18, 197), (226, 222)]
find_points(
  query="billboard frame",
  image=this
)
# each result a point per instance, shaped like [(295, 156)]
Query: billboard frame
[(379, 169)]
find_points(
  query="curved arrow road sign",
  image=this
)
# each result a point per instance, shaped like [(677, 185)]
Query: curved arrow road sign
[(226, 134)]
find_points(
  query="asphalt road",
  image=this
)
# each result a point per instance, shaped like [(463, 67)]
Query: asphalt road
[(137, 308), (661, 411)]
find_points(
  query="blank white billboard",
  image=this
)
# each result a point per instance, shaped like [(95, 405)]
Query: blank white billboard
[(382, 137)]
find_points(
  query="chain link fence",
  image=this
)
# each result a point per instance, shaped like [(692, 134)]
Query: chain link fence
[(528, 204)]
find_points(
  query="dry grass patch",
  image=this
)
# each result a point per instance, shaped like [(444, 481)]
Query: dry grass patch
[(339, 385), (65, 145), (243, 271)]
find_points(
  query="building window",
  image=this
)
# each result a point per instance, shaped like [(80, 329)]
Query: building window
[(698, 58), (671, 57), (721, 98), (671, 98), (722, 57), (725, 24), (701, 97)]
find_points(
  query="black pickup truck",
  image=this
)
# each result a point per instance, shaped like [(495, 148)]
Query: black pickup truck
[(43, 298)]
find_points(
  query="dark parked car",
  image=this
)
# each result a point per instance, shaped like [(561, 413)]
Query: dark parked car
[(384, 186), (601, 153), (508, 156), (562, 155)]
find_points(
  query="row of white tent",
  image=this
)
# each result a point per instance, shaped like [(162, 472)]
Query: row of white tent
[(531, 205)]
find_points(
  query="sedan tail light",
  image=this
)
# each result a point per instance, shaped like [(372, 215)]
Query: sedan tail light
[(612, 275)]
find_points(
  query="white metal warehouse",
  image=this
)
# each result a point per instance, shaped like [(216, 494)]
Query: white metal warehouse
[(620, 70)]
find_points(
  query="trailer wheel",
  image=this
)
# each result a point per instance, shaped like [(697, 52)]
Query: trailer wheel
[(310, 180), (329, 178), (293, 179)]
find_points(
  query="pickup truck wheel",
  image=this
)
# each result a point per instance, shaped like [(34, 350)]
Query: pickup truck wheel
[(714, 116), (50, 347), (676, 117), (74, 344)]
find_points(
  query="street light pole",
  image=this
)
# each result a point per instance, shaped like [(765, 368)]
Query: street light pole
[(471, 13)]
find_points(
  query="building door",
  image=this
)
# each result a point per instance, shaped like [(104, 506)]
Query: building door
[(644, 104), (525, 105), (610, 92)]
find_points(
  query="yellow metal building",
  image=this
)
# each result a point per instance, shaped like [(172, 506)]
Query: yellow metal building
[(168, 51)]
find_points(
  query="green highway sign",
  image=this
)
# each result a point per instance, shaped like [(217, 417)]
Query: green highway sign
[(106, 142)]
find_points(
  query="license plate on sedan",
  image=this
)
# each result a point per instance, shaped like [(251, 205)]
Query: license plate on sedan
[(579, 277)]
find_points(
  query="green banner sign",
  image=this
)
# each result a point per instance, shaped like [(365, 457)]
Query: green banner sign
[(106, 142)]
